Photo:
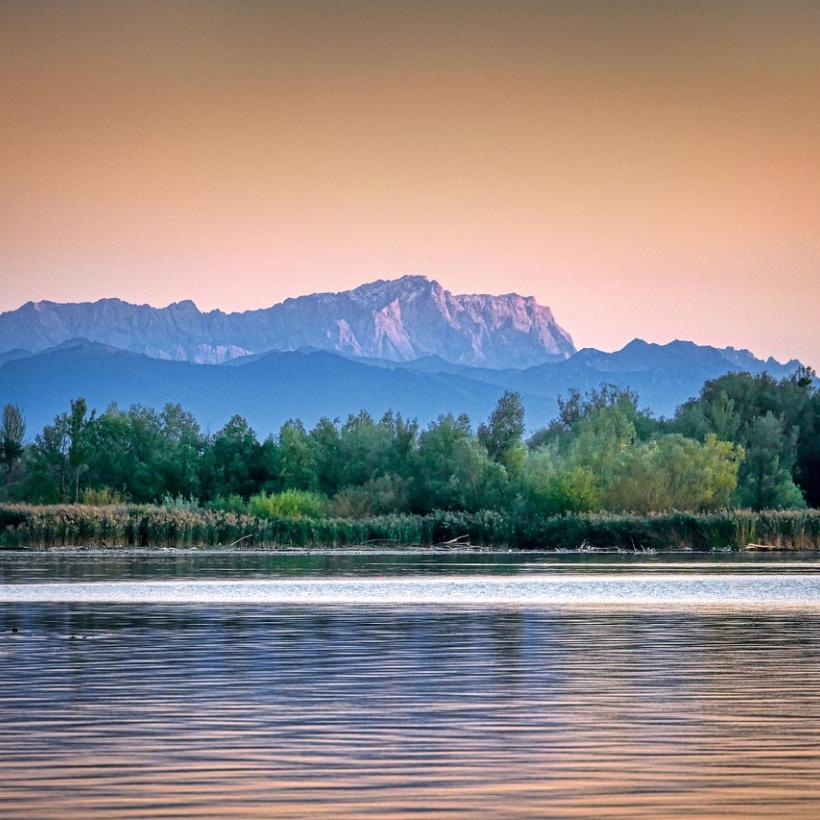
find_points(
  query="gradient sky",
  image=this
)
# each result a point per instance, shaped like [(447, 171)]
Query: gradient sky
[(645, 168)]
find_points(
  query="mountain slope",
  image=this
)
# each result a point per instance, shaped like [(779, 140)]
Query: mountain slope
[(11, 355), (663, 376), (267, 392), (269, 389), (395, 320)]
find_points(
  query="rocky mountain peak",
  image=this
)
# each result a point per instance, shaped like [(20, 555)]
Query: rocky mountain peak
[(395, 319)]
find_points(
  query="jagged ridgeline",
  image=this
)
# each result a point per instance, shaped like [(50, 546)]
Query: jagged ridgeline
[(408, 345), (397, 320)]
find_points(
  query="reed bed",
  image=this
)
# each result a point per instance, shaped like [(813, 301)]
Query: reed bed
[(133, 525)]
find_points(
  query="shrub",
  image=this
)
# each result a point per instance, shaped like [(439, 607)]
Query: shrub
[(384, 495), (232, 503), (180, 502), (287, 504), (102, 497)]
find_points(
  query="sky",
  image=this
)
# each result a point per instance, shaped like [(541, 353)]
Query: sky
[(646, 169)]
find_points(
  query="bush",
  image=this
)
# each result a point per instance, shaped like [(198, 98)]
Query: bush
[(384, 495), (232, 503), (287, 504), (179, 502), (103, 497)]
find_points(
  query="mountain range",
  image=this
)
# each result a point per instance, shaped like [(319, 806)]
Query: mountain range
[(398, 320), (268, 389), (407, 345)]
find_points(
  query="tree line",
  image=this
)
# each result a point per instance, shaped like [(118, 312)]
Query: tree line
[(747, 441)]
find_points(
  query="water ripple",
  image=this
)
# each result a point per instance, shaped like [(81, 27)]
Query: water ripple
[(135, 706)]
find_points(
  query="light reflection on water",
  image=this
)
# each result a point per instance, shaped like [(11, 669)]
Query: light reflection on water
[(275, 709), (634, 590)]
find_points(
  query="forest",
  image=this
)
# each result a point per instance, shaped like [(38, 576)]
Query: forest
[(746, 442)]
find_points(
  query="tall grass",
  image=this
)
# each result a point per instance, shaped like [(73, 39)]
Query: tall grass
[(133, 525)]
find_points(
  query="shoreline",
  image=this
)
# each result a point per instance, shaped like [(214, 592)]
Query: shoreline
[(209, 551), (154, 527), (351, 550)]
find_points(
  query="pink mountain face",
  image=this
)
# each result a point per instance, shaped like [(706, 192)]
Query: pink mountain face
[(398, 320)]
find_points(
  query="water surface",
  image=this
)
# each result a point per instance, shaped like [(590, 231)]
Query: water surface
[(459, 687)]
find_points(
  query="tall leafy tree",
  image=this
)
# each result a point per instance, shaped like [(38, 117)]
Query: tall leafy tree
[(12, 434), (80, 447), (766, 480), (60, 456), (453, 471), (776, 422), (327, 450), (503, 434), (232, 464), (295, 462), (672, 472), (183, 448)]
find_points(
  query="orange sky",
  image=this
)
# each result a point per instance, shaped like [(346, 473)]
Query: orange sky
[(645, 168)]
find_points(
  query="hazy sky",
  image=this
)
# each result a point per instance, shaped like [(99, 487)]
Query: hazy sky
[(645, 168)]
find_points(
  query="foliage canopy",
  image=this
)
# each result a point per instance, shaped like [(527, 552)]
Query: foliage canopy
[(744, 441)]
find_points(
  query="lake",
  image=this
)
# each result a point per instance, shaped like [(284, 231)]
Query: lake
[(392, 684)]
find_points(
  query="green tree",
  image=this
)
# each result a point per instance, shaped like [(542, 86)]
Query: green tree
[(503, 435), (126, 449), (59, 457), (766, 480), (232, 464), (325, 443), (453, 471), (552, 484), (295, 461), (182, 450), (12, 434), (730, 406), (79, 444), (672, 472), (146, 455), (600, 438), (364, 449)]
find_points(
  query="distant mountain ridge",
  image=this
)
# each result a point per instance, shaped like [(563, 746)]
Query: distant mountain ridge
[(270, 388), (663, 376), (395, 320), (407, 345), (267, 391)]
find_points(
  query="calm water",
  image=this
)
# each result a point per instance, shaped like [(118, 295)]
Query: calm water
[(387, 685)]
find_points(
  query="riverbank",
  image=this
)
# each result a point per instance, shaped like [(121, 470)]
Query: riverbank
[(156, 527)]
